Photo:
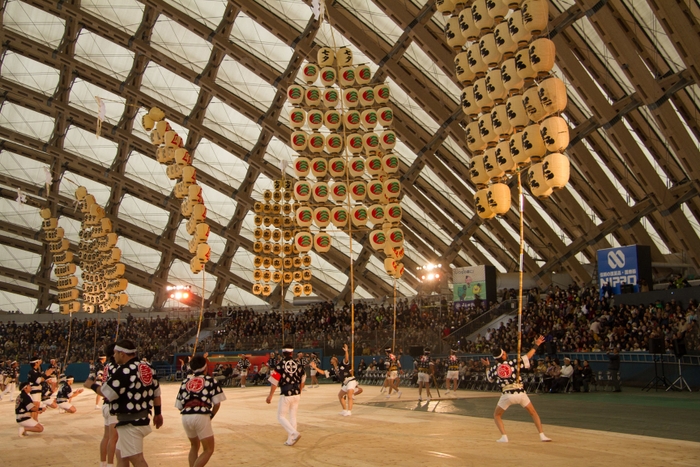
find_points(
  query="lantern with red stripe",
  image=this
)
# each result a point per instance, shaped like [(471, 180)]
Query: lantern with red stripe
[(346, 76), (322, 242), (352, 119), (322, 217), (295, 94), (390, 163), (351, 98), (375, 190), (359, 216), (387, 140), (299, 140), (334, 143), (302, 166), (356, 168), (297, 118), (320, 192), (312, 97), (354, 143), (369, 119), (393, 213), (385, 116), (336, 167), (376, 214), (314, 118), (303, 241), (302, 190), (377, 238), (363, 74), (328, 76), (339, 191), (358, 191), (319, 167), (374, 165), (332, 119), (370, 142), (304, 216), (331, 98), (392, 188), (381, 94), (339, 216), (309, 73)]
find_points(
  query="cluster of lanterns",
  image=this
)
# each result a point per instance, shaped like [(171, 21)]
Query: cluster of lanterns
[(277, 254), (68, 293), (170, 152), (511, 97), (342, 132)]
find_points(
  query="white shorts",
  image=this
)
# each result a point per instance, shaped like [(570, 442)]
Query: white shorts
[(244, 373), (109, 419), (392, 374), (28, 423), (36, 398), (65, 405), (350, 385), (453, 374), (313, 372), (423, 378), (130, 442), (507, 400), (197, 426)]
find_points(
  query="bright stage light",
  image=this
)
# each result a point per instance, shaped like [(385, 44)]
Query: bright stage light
[(178, 295)]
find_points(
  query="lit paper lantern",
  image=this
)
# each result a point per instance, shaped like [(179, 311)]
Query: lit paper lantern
[(309, 73), (166, 155), (354, 143), (453, 34), (319, 167), (374, 165), (466, 25), (322, 242), (533, 106), (344, 56), (369, 119), (297, 118), (302, 191), (394, 237), (304, 216), (159, 131), (334, 143), (481, 203), (316, 143), (363, 74), (332, 119), (445, 6), (542, 53), (555, 170), (387, 140), (524, 66), (352, 120), (499, 119), (538, 185), (555, 134), (393, 213), (375, 190), (495, 173), (478, 171), (385, 117), (486, 130), (189, 175), (390, 266), (394, 252), (494, 86), (497, 9), (358, 191), (147, 122), (533, 144), (370, 142), (339, 191), (320, 192), (482, 20), (489, 51), (314, 118), (295, 94), (503, 157), (481, 96), (322, 217), (392, 188), (312, 97), (381, 94), (307, 289), (303, 241), (390, 163), (473, 137), (156, 114), (302, 166), (462, 71), (512, 82), (331, 98), (325, 56), (376, 214), (517, 115), (299, 140), (328, 76), (356, 167), (359, 216), (516, 29), (346, 77), (172, 140), (552, 94), (366, 95), (203, 252), (377, 238), (339, 216), (477, 65), (499, 199), (535, 16), (469, 106), (504, 42), (336, 167)]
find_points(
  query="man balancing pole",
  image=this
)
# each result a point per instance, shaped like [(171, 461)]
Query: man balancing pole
[(505, 374)]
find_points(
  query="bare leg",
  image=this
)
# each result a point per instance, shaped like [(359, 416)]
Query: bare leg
[(112, 444), (208, 450), (103, 445), (341, 398), (351, 392), (499, 422), (535, 417), (194, 451)]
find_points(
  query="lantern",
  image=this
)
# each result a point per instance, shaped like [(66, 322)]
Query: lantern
[(304, 216), (303, 241), (504, 42), (366, 95), (339, 191), (346, 77), (358, 191), (512, 82), (555, 170), (377, 238), (481, 203), (517, 115), (516, 29), (302, 191), (336, 167), (476, 63), (359, 216), (320, 192), (394, 237), (538, 185), (385, 116), (307, 289), (339, 216), (478, 171), (322, 242), (481, 96), (314, 119), (196, 266), (497, 9), (369, 119), (466, 25), (469, 106), (486, 130), (542, 52), (354, 143), (390, 266), (381, 94), (309, 73), (352, 120), (499, 119), (387, 140), (462, 70), (344, 56), (523, 64), (356, 168), (299, 140), (322, 217), (332, 119), (375, 190), (295, 94), (172, 140), (374, 165), (394, 252), (489, 51), (555, 134), (390, 163), (330, 98), (328, 76), (498, 198), (445, 6), (312, 97), (334, 143), (482, 20), (319, 167), (533, 106), (297, 118), (493, 170), (156, 114), (393, 212), (533, 144), (392, 188), (302, 165), (316, 143), (189, 176), (503, 158), (553, 95), (535, 16), (453, 34), (363, 74), (376, 214), (325, 56), (494, 86), (473, 137), (370, 142)]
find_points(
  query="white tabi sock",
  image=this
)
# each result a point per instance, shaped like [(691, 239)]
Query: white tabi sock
[(503, 439)]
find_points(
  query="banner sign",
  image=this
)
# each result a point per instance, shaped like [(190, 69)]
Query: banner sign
[(468, 283), (617, 267)]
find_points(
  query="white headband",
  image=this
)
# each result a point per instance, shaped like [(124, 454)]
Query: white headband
[(288, 349), (500, 354), (118, 348), (201, 370)]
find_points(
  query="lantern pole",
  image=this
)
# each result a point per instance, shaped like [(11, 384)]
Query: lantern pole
[(521, 203)]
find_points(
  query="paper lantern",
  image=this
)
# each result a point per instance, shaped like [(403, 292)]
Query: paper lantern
[(377, 238), (312, 97), (196, 265), (542, 53), (359, 216), (307, 289), (346, 76), (486, 130), (352, 120), (156, 114), (533, 106), (552, 94), (390, 266), (555, 134), (370, 142), (322, 242), (482, 20), (535, 16), (302, 190), (381, 94), (394, 237), (466, 25), (494, 171), (469, 106), (159, 131), (394, 252), (295, 94), (334, 143), (302, 165), (504, 42), (339, 216), (320, 192), (503, 157), (538, 185), (304, 216), (332, 119), (165, 155), (358, 191), (331, 98), (314, 118), (453, 34), (445, 6), (189, 175), (385, 116), (489, 51), (387, 140), (393, 212), (354, 143), (336, 167), (356, 167), (366, 95), (309, 73), (555, 170), (516, 29), (303, 241), (325, 56), (524, 66), (172, 140), (328, 76), (478, 171), (494, 86), (376, 214), (182, 157), (497, 9), (462, 71), (477, 65), (481, 95), (392, 188), (533, 144), (319, 167), (339, 191), (316, 143), (147, 122), (351, 98), (473, 137), (499, 199), (369, 119), (390, 164), (517, 115), (299, 140), (481, 203), (363, 74), (375, 190), (374, 165), (322, 217), (174, 172), (64, 257), (512, 82), (499, 119), (343, 56)]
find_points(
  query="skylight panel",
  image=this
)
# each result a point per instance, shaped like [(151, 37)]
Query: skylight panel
[(71, 181), (242, 82), (327, 272), (411, 107), (437, 77), (165, 86), (220, 163), (643, 148), (15, 302), (242, 264), (180, 273), (122, 14), (374, 18), (84, 144), (22, 168), (23, 215), (328, 36), (83, 94), (491, 260), (139, 255), (143, 214), (438, 184), (208, 12), (291, 12), (104, 55), (608, 173), (260, 42), (377, 267), (180, 44), (148, 172), (237, 296), (406, 155), (655, 237), (217, 244), (26, 121), (278, 152), (412, 208), (29, 73), (362, 294), (139, 297), (33, 23), (231, 124), (19, 260), (71, 228), (455, 151), (220, 208)]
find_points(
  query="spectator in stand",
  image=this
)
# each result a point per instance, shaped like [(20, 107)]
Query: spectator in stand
[(565, 374), (614, 368)]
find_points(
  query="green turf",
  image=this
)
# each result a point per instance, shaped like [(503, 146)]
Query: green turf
[(664, 415)]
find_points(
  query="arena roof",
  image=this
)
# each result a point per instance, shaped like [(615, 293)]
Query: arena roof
[(220, 70)]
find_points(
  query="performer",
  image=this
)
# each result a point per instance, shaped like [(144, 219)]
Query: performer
[(98, 370), (198, 401), (35, 377), (393, 365), (426, 369), (243, 365), (452, 379), (304, 361), (288, 375), (504, 372), (108, 444), (132, 390), (24, 407), (66, 394), (11, 376), (316, 362), (48, 398), (349, 388), (55, 368)]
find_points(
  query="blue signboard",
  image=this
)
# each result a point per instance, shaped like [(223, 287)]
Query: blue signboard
[(617, 267)]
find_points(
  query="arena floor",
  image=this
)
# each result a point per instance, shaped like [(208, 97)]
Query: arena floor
[(587, 430)]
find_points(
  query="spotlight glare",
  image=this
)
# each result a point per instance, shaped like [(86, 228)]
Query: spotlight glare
[(178, 295), (185, 295)]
